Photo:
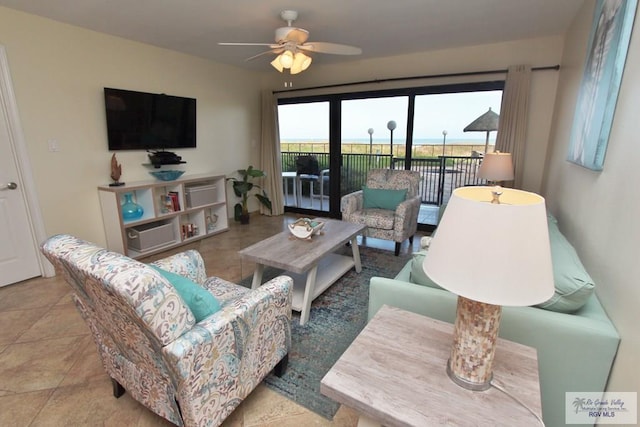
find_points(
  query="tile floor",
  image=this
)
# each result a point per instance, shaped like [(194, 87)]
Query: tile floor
[(51, 375)]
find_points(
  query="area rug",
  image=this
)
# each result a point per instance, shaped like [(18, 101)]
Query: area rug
[(336, 318)]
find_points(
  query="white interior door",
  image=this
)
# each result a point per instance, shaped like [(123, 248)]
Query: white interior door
[(18, 253)]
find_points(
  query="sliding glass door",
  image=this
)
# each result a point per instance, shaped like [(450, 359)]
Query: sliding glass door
[(304, 144), (329, 142), (373, 135), (445, 149)]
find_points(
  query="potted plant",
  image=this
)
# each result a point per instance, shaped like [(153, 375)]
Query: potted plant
[(242, 187)]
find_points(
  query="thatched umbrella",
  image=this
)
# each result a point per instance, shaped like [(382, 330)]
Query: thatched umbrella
[(485, 123)]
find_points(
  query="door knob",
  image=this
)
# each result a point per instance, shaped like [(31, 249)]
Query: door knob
[(10, 186)]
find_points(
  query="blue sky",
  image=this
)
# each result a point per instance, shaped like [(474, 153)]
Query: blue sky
[(433, 114)]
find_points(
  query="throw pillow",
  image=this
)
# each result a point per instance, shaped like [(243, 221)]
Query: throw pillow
[(417, 275), (380, 198), (573, 285), (201, 303)]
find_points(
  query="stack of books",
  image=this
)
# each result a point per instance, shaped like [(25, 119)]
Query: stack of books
[(170, 202)]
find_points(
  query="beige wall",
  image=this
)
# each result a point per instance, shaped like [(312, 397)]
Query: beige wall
[(536, 52), (599, 211), (59, 72)]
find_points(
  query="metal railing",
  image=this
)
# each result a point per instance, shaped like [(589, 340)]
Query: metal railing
[(439, 176)]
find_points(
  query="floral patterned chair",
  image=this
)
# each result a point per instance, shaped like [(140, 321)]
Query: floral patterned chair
[(191, 373), (394, 221)]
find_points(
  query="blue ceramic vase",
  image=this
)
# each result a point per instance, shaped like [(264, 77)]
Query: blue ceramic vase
[(130, 209)]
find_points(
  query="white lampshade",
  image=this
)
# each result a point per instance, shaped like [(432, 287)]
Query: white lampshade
[(300, 63), (276, 64), (496, 167), (286, 59), (493, 253)]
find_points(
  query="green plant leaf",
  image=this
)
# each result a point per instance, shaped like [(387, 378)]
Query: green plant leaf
[(240, 187), (255, 173), (265, 200)]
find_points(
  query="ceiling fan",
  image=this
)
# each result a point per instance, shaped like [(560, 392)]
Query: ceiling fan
[(292, 47)]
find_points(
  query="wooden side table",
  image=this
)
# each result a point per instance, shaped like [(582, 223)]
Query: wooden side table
[(393, 374)]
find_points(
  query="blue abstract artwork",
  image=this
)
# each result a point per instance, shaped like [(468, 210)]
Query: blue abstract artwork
[(598, 93)]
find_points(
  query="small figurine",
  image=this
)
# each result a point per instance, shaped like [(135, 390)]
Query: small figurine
[(116, 172), (211, 222)]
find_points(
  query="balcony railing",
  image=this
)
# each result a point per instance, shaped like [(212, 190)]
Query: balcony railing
[(439, 176)]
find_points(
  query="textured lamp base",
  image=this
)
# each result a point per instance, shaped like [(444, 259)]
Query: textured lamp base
[(474, 343)]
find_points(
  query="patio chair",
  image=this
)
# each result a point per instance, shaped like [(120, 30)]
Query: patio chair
[(388, 205), (323, 181), (308, 170)]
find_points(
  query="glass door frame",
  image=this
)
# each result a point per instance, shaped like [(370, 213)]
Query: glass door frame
[(335, 125), (334, 160)]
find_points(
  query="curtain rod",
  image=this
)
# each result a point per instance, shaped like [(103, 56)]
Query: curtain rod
[(431, 76)]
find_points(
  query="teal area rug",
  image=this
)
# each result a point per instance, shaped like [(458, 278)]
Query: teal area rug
[(337, 317)]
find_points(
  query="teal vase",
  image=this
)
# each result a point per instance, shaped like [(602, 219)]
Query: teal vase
[(130, 209)]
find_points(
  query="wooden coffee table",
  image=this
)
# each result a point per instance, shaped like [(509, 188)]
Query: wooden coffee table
[(311, 263)]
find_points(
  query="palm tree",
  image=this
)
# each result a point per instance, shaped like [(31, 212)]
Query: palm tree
[(579, 403)]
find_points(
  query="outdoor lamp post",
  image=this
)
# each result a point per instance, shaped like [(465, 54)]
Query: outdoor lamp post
[(370, 131), (444, 140), (391, 125)]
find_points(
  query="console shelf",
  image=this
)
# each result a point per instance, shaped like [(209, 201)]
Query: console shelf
[(175, 213)]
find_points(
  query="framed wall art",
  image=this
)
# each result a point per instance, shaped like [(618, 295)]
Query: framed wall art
[(598, 93)]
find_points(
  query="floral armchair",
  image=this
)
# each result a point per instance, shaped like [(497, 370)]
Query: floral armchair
[(191, 373), (398, 224)]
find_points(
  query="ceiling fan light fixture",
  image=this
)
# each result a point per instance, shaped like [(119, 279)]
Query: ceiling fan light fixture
[(300, 63), (286, 59), (290, 41), (276, 64)]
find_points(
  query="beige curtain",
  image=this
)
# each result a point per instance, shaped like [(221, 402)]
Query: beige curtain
[(270, 154), (512, 127)]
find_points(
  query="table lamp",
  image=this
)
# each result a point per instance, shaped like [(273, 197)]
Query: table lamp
[(489, 255), (495, 168)]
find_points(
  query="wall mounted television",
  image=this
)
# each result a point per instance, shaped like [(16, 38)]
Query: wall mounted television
[(148, 121)]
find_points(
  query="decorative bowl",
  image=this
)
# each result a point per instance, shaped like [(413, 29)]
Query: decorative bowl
[(167, 175), (305, 228)]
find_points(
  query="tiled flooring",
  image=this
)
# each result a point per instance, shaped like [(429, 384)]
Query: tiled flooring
[(50, 373)]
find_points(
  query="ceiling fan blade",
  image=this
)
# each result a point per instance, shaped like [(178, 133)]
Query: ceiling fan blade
[(291, 34), (276, 51), (271, 45), (333, 48)]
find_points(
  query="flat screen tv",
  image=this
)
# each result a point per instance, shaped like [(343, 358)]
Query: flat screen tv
[(149, 121)]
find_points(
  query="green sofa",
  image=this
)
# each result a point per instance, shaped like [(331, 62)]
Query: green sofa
[(576, 349)]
